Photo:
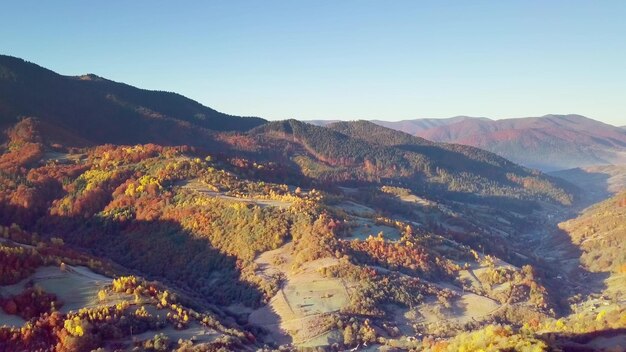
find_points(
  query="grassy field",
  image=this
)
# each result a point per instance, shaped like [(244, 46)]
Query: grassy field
[(417, 200), (468, 307), (310, 295), (294, 313), (351, 207), (77, 287), (10, 320), (366, 227), (63, 157), (198, 186)]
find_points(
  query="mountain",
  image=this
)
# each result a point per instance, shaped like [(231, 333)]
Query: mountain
[(206, 252), (600, 231), (418, 125), (91, 109), (281, 235), (408, 126), (596, 182), (361, 151), (550, 142)]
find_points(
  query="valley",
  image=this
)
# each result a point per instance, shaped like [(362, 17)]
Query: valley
[(283, 235)]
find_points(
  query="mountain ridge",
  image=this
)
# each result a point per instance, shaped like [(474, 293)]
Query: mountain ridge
[(278, 235), (101, 110), (550, 142), (357, 149)]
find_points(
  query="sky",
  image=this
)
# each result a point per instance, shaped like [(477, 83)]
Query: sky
[(388, 60)]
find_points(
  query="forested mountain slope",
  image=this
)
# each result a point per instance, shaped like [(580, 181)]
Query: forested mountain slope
[(75, 111), (599, 182), (601, 233), (91, 109), (412, 127), (284, 236), (550, 142), (353, 151), (268, 263)]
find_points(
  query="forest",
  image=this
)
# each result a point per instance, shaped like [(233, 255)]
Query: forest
[(359, 233)]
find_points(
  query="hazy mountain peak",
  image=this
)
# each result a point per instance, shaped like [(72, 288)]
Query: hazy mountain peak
[(549, 142)]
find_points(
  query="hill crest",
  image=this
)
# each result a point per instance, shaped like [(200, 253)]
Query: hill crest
[(104, 111)]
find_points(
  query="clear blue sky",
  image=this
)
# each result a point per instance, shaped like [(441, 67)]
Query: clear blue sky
[(342, 59)]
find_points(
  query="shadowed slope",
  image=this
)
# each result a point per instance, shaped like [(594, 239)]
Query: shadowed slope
[(103, 111)]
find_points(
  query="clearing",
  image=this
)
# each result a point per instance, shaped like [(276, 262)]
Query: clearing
[(76, 286), (468, 307), (411, 198), (365, 227), (11, 320), (355, 208), (198, 186), (63, 157), (295, 312)]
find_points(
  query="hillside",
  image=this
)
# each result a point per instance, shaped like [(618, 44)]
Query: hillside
[(598, 182), (601, 233), (363, 152), (550, 142), (73, 301), (416, 126), (408, 126), (295, 266), (90, 109), (287, 236)]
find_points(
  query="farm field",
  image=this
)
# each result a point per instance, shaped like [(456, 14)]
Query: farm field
[(198, 186), (366, 227), (293, 314), (76, 286)]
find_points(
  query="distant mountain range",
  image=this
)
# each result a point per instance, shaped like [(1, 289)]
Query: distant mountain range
[(84, 110), (88, 110), (416, 127), (548, 143), (409, 126)]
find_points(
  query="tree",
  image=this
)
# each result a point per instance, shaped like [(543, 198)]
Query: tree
[(348, 336)]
